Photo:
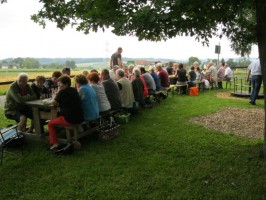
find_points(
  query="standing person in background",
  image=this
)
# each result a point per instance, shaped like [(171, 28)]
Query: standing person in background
[(256, 80), (220, 75), (39, 89), (116, 58), (18, 93)]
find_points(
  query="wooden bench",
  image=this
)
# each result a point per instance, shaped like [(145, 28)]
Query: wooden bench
[(75, 132), (174, 87)]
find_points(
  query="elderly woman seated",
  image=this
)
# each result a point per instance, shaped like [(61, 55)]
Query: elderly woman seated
[(88, 98), (18, 93), (103, 102), (138, 88), (69, 103)]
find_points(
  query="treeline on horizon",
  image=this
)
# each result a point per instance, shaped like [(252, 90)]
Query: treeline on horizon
[(59, 63)]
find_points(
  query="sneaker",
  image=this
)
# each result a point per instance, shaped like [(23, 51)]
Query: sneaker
[(54, 147)]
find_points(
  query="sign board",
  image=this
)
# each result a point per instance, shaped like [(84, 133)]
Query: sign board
[(217, 49)]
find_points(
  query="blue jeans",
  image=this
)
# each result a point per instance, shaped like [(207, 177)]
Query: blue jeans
[(256, 81)]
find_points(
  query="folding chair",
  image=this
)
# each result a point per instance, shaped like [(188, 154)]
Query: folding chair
[(10, 137)]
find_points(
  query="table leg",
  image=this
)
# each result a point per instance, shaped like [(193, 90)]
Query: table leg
[(36, 120)]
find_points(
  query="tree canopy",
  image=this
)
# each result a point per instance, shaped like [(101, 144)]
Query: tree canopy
[(157, 20)]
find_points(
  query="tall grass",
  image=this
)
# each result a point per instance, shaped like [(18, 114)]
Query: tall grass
[(159, 155)]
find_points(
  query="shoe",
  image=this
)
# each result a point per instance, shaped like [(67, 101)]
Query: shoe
[(252, 103), (54, 147)]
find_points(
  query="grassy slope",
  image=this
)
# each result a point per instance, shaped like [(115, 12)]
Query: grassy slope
[(159, 155)]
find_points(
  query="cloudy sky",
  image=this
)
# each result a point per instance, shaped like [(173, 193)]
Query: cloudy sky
[(21, 37)]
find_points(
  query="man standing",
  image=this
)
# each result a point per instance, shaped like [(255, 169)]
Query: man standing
[(116, 58), (256, 80)]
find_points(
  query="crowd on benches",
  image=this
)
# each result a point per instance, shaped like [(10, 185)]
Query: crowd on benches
[(93, 94)]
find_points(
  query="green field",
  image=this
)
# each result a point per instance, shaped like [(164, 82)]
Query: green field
[(160, 154)]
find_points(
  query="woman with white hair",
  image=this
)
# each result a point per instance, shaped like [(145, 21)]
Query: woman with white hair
[(138, 87), (18, 93)]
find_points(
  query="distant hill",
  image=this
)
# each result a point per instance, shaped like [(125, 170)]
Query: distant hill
[(44, 61)]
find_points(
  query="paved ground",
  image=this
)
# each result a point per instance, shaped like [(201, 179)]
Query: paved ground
[(2, 100)]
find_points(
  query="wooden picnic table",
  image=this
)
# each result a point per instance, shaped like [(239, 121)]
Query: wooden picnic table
[(41, 111)]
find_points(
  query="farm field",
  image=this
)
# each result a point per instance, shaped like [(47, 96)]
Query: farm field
[(11, 75)]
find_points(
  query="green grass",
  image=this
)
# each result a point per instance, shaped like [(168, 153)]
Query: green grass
[(159, 155)]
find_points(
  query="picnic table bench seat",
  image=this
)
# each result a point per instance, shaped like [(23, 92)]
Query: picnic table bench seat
[(76, 132)]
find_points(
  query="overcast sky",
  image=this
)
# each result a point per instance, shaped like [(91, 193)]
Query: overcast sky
[(21, 37)]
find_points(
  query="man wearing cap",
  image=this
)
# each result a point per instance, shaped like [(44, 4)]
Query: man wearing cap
[(116, 58)]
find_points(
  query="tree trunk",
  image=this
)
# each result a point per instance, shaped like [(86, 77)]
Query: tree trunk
[(261, 36)]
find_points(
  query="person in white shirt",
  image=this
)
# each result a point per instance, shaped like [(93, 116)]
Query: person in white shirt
[(228, 74), (254, 69)]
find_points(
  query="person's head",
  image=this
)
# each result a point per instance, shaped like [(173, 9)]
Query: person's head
[(170, 64), (40, 81), (181, 66), (81, 80), (56, 75), (151, 69), (125, 68), (142, 70), (94, 70), (198, 69), (210, 64), (22, 80), (93, 77), (192, 68), (159, 66), (222, 64), (120, 73), (119, 50), (136, 72), (85, 73), (196, 64), (226, 65), (105, 74), (176, 65), (64, 81), (66, 71)]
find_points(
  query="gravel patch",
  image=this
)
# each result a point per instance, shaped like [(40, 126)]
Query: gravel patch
[(248, 123), (2, 100)]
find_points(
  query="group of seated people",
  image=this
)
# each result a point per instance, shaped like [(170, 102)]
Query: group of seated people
[(209, 76), (86, 98)]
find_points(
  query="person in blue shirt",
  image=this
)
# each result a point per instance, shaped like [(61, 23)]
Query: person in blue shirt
[(156, 78), (88, 98)]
